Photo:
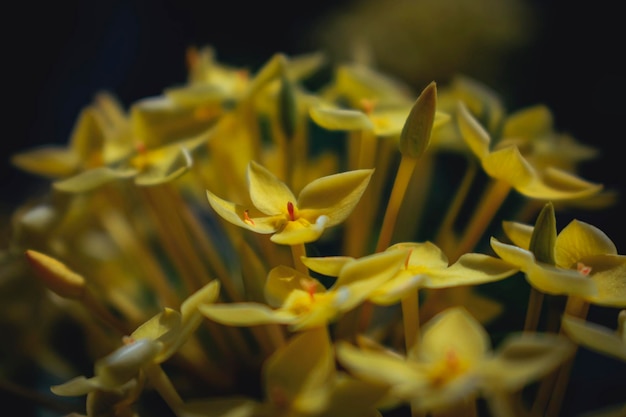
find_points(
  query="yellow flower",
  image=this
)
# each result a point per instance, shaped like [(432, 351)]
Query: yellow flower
[(586, 263), (454, 362), (426, 266), (300, 380), (302, 302), (121, 373), (507, 163), (322, 203), (89, 143)]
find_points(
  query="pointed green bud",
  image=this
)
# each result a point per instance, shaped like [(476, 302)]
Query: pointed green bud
[(415, 135), (544, 234)]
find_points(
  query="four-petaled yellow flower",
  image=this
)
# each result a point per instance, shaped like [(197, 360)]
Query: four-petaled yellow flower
[(455, 362), (302, 302), (322, 203), (586, 263)]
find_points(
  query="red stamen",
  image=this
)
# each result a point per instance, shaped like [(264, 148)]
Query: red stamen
[(309, 286), (128, 340), (291, 210)]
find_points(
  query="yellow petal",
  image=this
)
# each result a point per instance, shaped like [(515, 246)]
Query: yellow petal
[(608, 273), (378, 267), (404, 377), (514, 255), (340, 119), (326, 265), (579, 240), (282, 280), (244, 314), (470, 269), (205, 295), (92, 179), (422, 255), (334, 196), (236, 214), (528, 123), (559, 281), (557, 185), (158, 326), (508, 164), (595, 337), (304, 365), (268, 193), (76, 387), (454, 330), (519, 233), (524, 359), (123, 364), (50, 161), (474, 134), (164, 169), (393, 291), (300, 231)]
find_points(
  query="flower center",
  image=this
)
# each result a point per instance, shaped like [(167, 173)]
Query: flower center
[(446, 369)]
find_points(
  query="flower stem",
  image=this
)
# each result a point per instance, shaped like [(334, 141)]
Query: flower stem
[(403, 176)]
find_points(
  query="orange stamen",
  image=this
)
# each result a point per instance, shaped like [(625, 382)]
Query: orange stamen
[(140, 147), (309, 286), (583, 269), (368, 105), (247, 219)]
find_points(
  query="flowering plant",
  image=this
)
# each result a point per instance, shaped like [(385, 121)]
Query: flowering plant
[(245, 245)]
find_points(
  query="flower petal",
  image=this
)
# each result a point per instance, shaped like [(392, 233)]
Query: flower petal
[(524, 359), (340, 119), (470, 269), (579, 240), (300, 231), (92, 179), (559, 281), (595, 337), (236, 214), (244, 314), (326, 265), (454, 329), (51, 161), (334, 195), (267, 192), (282, 280)]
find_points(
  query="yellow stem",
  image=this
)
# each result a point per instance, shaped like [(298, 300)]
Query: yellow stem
[(533, 311), (400, 184), (445, 237), (297, 251), (410, 319), (490, 202), (161, 382)]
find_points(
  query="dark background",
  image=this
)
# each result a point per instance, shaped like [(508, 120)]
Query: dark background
[(58, 54)]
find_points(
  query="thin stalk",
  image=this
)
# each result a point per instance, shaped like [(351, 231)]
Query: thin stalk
[(490, 202), (401, 182), (533, 311), (445, 237), (297, 251)]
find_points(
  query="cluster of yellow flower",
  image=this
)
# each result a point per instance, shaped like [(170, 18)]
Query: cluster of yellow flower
[(245, 245)]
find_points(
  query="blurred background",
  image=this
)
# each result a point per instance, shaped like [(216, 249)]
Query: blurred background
[(567, 55)]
